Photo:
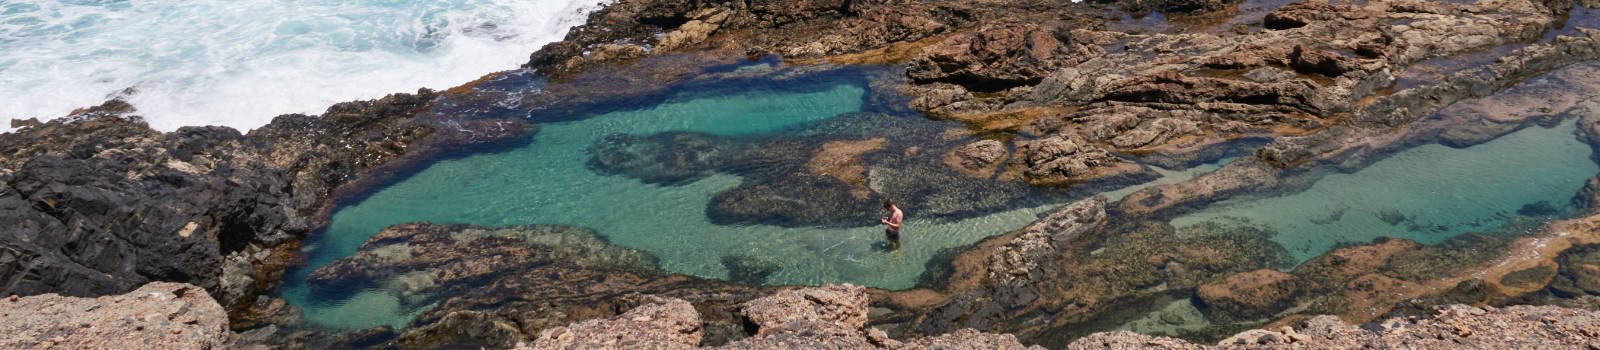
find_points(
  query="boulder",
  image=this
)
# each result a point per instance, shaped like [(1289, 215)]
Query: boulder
[(671, 324), (159, 315), (977, 159)]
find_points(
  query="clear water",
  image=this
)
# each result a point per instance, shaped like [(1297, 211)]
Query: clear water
[(547, 182), (1439, 192), (240, 62)]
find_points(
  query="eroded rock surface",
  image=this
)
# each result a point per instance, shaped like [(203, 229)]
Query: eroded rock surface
[(672, 324), (102, 203), (159, 315), (498, 286), (828, 317), (1454, 327)]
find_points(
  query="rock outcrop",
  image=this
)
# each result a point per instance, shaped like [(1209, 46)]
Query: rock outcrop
[(835, 317), (158, 315), (102, 203), (1031, 256), (99, 204), (671, 324), (1454, 327), (497, 286), (828, 317)]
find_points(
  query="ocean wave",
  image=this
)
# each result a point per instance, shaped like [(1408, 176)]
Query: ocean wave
[(240, 63)]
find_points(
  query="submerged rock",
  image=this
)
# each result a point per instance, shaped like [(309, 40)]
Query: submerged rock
[(1079, 265), (425, 262), (749, 270), (497, 286), (158, 315), (1254, 294), (830, 177), (666, 158)]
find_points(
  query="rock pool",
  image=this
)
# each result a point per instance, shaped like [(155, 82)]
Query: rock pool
[(553, 180), (1427, 193)]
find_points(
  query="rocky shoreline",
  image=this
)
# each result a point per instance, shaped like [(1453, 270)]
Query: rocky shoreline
[(102, 204), (164, 315)]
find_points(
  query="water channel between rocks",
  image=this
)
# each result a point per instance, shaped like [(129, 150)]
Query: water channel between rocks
[(1439, 191), (1427, 194)]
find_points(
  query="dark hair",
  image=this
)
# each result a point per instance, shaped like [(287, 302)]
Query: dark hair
[(888, 203)]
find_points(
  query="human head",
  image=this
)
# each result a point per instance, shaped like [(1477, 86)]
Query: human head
[(888, 204)]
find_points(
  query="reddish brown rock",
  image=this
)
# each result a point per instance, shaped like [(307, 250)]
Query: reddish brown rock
[(1254, 294), (977, 159), (1000, 57)]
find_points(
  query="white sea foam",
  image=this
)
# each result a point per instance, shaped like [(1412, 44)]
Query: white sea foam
[(240, 62)]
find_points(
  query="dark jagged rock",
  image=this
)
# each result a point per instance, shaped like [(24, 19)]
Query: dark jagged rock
[(105, 203), (101, 204)]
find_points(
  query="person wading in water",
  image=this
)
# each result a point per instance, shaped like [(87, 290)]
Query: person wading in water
[(892, 232)]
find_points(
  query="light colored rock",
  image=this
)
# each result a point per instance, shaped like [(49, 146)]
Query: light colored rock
[(159, 315), (672, 324), (1031, 255)]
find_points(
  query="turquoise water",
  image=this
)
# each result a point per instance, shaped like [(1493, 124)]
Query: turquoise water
[(238, 63), (1427, 194), (547, 182)]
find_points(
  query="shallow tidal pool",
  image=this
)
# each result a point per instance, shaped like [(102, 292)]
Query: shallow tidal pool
[(547, 182), (1428, 194)]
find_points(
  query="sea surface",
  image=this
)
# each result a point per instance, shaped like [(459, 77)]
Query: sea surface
[(238, 63)]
